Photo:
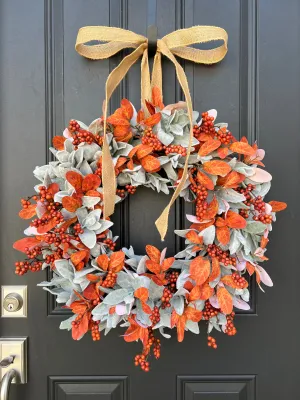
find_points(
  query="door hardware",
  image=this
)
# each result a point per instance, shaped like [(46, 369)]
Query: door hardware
[(6, 382), (13, 356), (7, 361), (14, 301)]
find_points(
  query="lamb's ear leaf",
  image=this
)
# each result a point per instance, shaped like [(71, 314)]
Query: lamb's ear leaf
[(88, 238), (115, 297)]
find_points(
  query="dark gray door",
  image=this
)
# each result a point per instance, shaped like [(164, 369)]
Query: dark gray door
[(44, 83)]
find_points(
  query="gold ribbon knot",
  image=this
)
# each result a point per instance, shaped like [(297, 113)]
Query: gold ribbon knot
[(176, 43)]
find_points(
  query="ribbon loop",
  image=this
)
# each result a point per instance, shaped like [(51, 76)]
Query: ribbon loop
[(175, 43)]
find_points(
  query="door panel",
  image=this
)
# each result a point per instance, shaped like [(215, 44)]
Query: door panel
[(256, 89)]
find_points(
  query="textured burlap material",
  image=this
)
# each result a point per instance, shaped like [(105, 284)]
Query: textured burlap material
[(176, 43)]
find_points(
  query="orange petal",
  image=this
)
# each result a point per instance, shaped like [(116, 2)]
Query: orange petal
[(234, 220), (217, 167), (116, 262), (29, 212), (150, 164), (103, 262), (77, 257), (143, 150), (70, 203), (194, 238), (215, 269), (277, 205), (200, 269), (90, 182), (225, 300), (75, 179), (127, 108), (192, 314), (153, 266), (142, 293), (58, 142), (211, 210), (153, 119), (157, 97), (209, 146), (116, 119), (27, 242), (153, 253), (223, 235), (47, 227), (205, 180), (222, 152), (232, 180), (242, 148)]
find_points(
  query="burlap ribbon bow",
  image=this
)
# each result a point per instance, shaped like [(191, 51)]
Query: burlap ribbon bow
[(176, 43)]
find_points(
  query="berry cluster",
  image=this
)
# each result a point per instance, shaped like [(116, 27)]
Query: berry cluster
[(207, 126), (224, 136), (25, 203), (57, 239), (259, 204), (95, 302), (239, 280), (121, 193), (244, 213), (95, 330), (77, 320), (50, 258), (77, 229), (172, 278), (99, 140), (141, 359), (83, 137), (130, 189), (110, 280), (230, 329), (98, 171), (196, 131), (166, 297), (211, 342), (209, 311), (155, 316), (110, 243), (152, 140), (33, 253), (24, 266), (73, 126), (56, 215), (223, 256), (175, 149), (246, 191), (200, 192), (264, 218)]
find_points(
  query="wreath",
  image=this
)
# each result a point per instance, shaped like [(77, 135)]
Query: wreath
[(152, 293)]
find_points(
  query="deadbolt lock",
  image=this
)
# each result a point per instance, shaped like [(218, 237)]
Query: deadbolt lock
[(12, 302)]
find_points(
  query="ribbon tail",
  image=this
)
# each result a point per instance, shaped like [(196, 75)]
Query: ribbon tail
[(108, 169), (156, 80), (145, 82), (108, 180), (162, 222)]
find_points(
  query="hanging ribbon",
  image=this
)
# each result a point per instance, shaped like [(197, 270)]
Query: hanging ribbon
[(176, 43)]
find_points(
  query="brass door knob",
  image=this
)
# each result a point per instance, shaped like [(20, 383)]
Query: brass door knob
[(12, 302)]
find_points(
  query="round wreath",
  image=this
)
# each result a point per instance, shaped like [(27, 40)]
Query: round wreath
[(147, 294)]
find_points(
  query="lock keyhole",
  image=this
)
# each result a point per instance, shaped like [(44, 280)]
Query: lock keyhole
[(13, 302)]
